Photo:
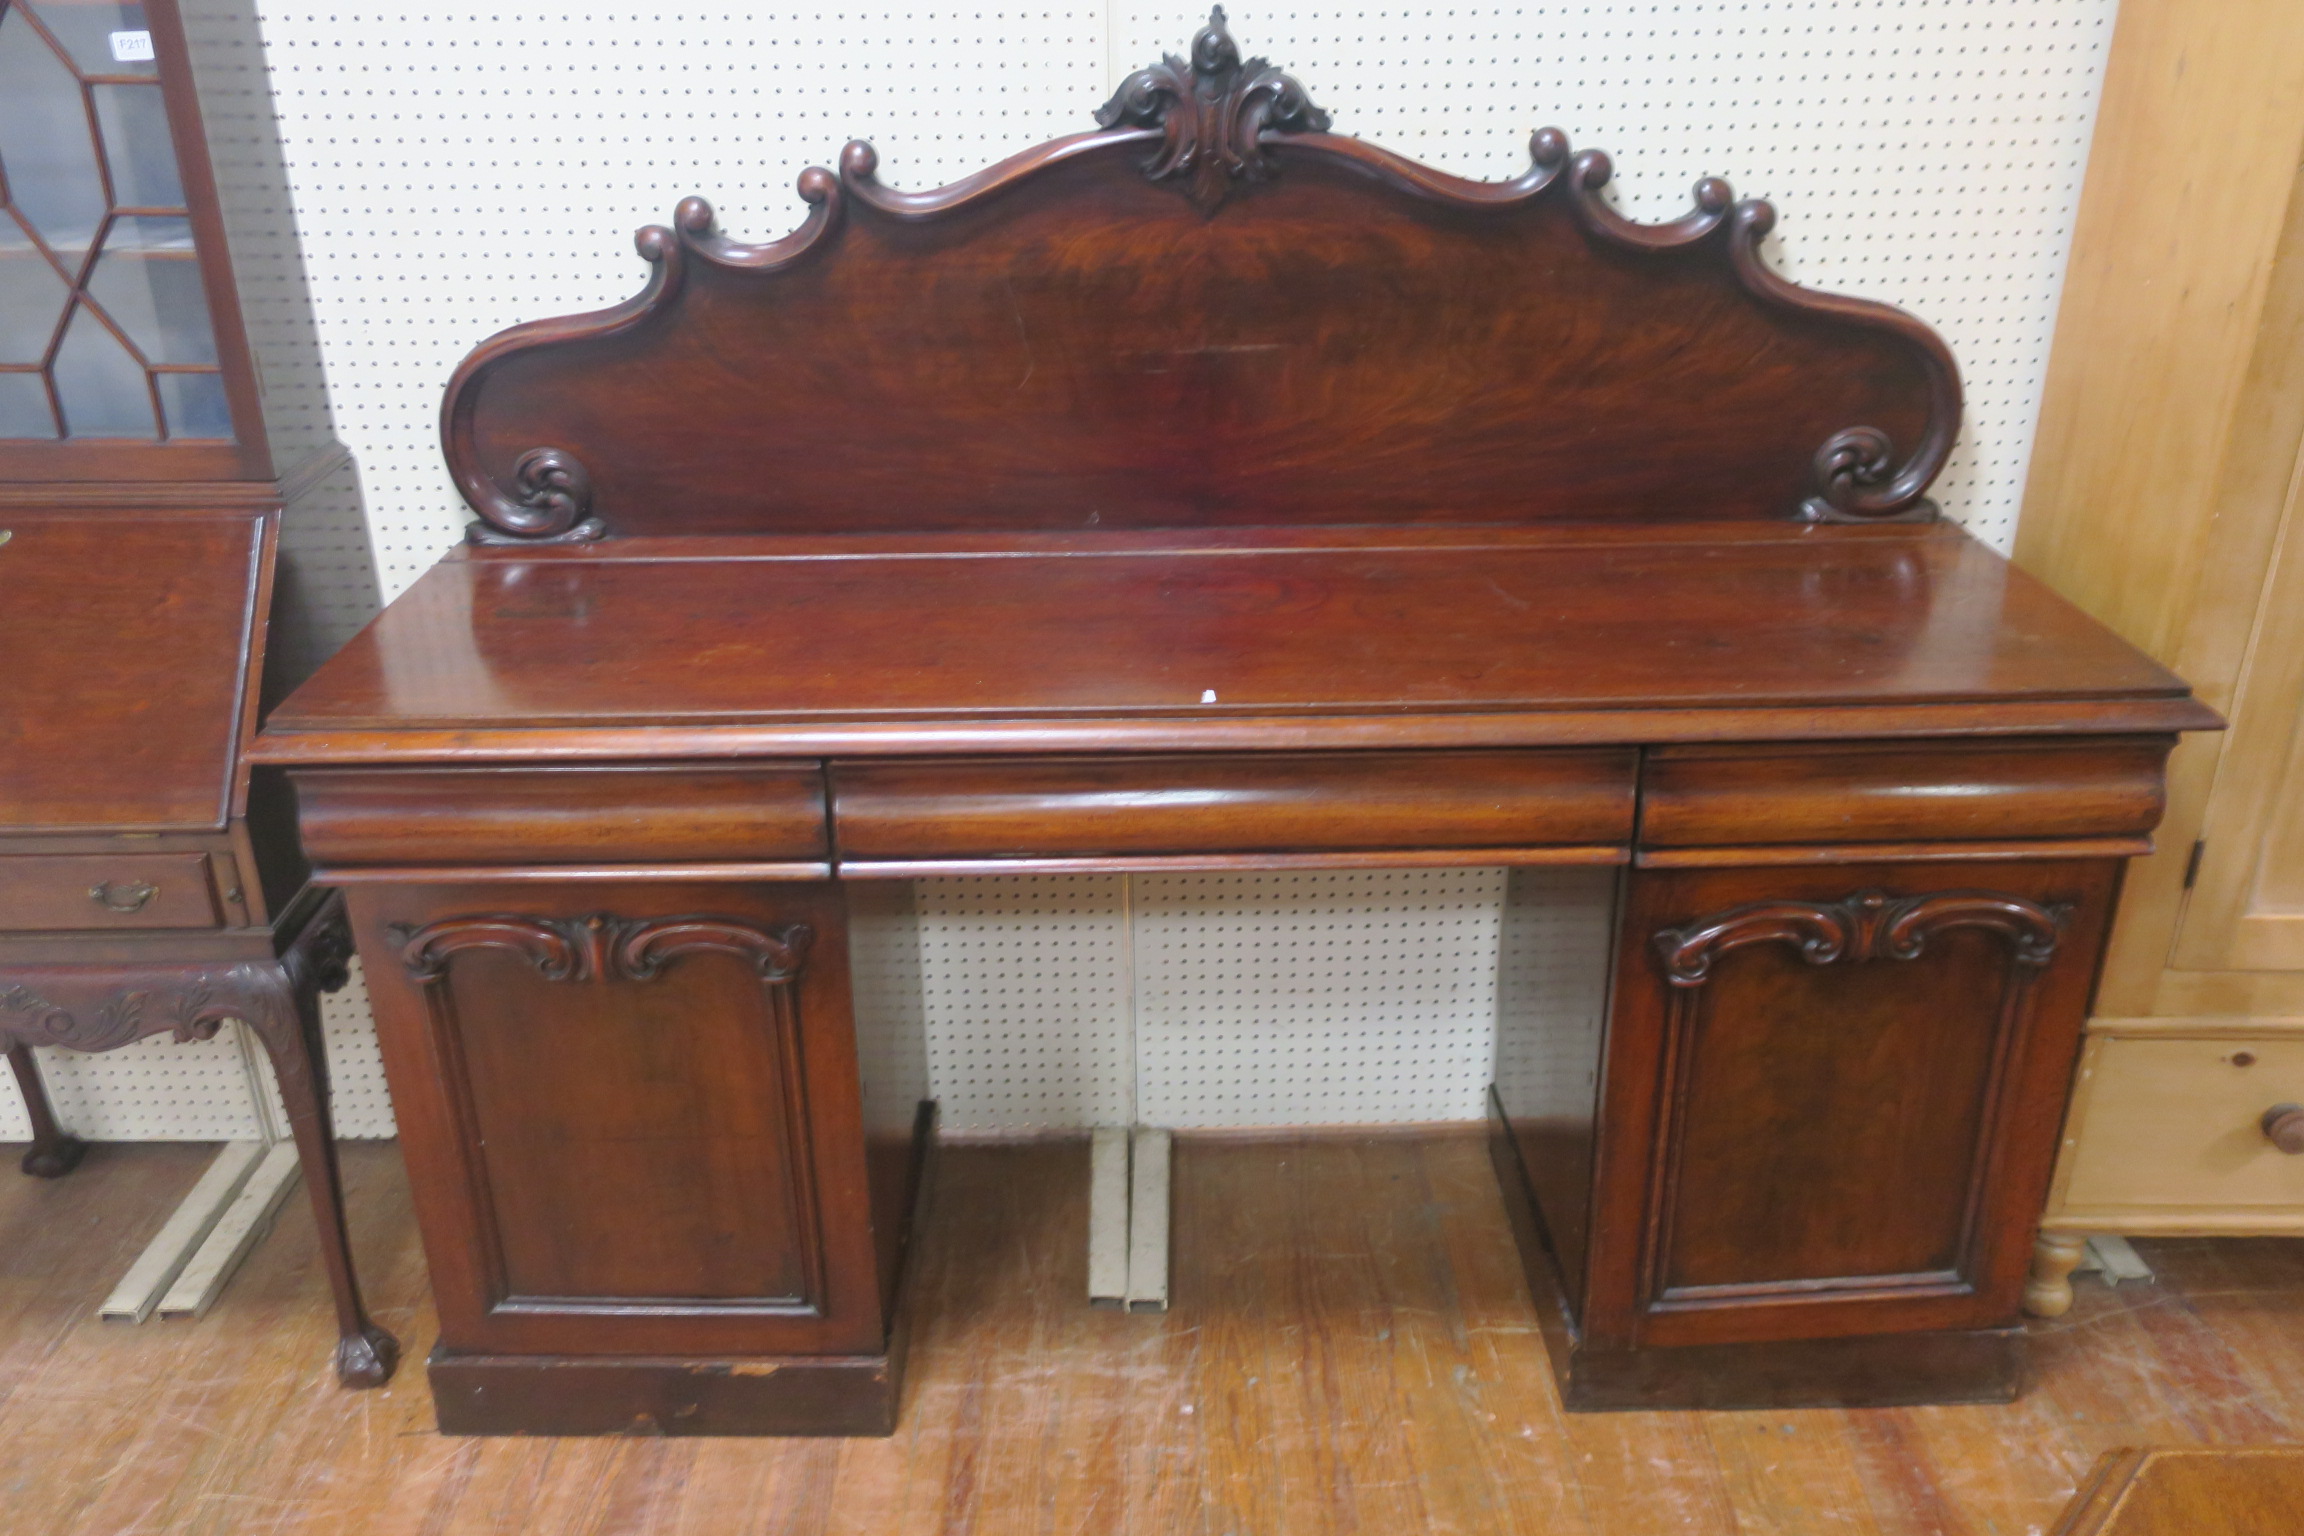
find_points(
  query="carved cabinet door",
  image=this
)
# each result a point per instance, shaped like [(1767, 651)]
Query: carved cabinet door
[(1832, 1095), (629, 1113)]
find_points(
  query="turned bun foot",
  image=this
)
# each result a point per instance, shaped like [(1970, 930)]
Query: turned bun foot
[(366, 1358), (54, 1159), (2048, 1293)]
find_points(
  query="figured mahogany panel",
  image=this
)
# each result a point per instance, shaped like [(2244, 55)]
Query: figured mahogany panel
[(977, 808), (1211, 312), (126, 647), (755, 813), (630, 1112), (1875, 792), (1436, 644), (1832, 1095)]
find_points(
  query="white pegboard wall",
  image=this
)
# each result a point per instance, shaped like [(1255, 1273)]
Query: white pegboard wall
[(13, 1125), (1330, 998), (1028, 1001), (1556, 933)]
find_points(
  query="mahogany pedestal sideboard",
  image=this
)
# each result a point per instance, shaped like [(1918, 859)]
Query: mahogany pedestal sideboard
[(1211, 492)]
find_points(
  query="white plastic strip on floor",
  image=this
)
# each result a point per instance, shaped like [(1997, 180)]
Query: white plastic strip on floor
[(237, 1231), (1148, 1222), (165, 1257), (2117, 1259), (1108, 1217)]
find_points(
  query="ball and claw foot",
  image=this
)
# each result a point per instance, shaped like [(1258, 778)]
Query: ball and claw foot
[(54, 1159), (366, 1358), (2048, 1293)]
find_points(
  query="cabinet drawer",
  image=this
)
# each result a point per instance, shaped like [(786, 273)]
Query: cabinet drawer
[(757, 813), (1892, 792), (1186, 805), (2177, 1125), (47, 893)]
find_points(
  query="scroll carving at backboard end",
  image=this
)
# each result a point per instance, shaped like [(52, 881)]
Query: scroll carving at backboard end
[(1210, 311)]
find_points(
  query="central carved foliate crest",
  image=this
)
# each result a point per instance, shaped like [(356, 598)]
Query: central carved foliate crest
[(1214, 111)]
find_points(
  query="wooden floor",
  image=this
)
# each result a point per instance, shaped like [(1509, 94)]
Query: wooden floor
[(1350, 1350)]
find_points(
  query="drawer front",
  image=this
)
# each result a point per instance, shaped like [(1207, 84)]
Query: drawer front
[(561, 816), (2179, 1124), (989, 808), (50, 893), (1890, 792)]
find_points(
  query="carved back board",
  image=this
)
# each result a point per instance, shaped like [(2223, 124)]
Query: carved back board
[(1209, 312)]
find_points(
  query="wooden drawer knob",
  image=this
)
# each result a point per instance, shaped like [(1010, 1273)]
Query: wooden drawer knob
[(2284, 1127)]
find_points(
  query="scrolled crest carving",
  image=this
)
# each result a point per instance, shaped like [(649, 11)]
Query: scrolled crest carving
[(550, 503), (1213, 111), (1869, 925), (603, 947), (1864, 430)]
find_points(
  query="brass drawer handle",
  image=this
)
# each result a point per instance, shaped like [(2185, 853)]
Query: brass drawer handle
[(132, 897), (2284, 1127)]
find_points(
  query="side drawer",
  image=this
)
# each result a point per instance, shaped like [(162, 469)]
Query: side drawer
[(757, 813), (2175, 1126), (1892, 792), (1203, 804), (62, 893)]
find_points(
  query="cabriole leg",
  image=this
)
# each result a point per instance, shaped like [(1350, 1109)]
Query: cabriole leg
[(290, 1030), (53, 1154)]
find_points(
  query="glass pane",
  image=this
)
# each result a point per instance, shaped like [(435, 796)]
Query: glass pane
[(24, 407), (45, 150), (146, 232), (32, 298), (142, 157), (102, 388), (86, 28), (158, 302), (194, 404)]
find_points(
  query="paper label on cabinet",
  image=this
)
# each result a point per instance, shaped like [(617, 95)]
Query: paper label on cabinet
[(131, 47)]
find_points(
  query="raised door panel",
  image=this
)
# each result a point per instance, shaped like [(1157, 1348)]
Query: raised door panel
[(630, 1113), (1833, 1095)]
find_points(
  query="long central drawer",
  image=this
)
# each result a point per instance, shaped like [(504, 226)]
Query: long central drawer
[(1185, 805)]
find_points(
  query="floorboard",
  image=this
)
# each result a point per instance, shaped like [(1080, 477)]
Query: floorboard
[(1350, 1351)]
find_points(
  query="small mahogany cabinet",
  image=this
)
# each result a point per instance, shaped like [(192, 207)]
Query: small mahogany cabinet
[(172, 502), (1211, 491)]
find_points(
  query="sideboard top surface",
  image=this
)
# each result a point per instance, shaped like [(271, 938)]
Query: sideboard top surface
[(1299, 642)]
